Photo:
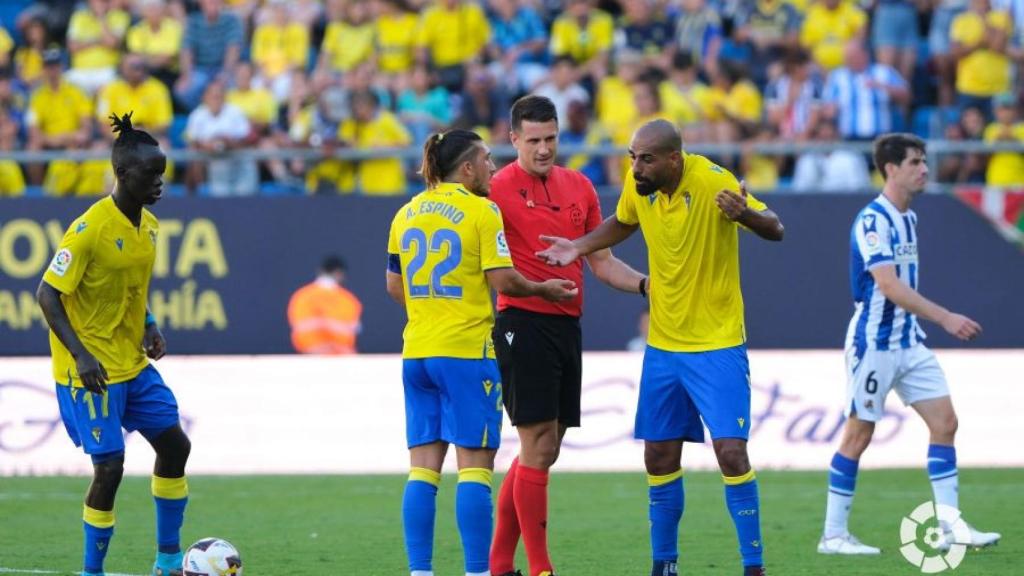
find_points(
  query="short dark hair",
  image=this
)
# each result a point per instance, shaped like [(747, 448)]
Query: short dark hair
[(129, 140), (332, 264), (892, 149), (533, 108), (682, 60)]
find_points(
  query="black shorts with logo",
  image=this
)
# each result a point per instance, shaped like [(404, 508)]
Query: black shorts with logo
[(540, 358)]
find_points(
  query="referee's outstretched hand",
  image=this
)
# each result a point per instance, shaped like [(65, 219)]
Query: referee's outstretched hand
[(562, 251)]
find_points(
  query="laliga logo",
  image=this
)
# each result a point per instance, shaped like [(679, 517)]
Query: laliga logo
[(940, 535)]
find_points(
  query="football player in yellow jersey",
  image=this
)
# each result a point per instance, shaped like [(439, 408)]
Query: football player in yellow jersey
[(446, 251), (695, 364), (93, 296)]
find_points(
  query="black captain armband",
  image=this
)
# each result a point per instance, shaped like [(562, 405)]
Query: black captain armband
[(394, 264), (642, 288)]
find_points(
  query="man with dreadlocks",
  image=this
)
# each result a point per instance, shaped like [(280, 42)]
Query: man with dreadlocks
[(93, 296)]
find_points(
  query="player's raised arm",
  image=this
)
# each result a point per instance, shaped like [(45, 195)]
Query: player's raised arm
[(905, 297), (512, 283), (764, 223), (563, 252)]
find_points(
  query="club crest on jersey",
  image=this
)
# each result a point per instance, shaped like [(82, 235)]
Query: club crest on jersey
[(576, 215), (120, 244), (152, 236), (61, 261), (81, 226), (687, 198)]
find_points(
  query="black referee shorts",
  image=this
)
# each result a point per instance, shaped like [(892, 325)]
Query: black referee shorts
[(540, 358)]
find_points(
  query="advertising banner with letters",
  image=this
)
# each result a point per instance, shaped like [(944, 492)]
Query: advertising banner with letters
[(290, 414)]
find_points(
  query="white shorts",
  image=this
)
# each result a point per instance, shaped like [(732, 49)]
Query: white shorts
[(914, 373)]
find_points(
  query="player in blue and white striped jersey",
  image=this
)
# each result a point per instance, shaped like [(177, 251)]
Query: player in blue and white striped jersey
[(884, 344)]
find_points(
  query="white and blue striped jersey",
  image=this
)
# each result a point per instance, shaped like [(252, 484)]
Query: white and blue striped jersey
[(881, 235)]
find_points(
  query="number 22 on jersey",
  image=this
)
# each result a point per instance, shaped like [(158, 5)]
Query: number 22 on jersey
[(443, 240)]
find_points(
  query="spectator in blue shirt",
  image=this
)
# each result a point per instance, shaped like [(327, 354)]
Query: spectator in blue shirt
[(212, 46), (518, 43)]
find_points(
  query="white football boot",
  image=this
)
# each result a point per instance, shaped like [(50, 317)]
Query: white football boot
[(846, 544)]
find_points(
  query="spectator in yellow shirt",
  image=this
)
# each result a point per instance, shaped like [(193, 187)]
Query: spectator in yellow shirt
[(452, 34), (136, 91), (828, 26), (585, 33), (685, 98), (12, 181), (28, 59), (1005, 168), (95, 33), (157, 37), (349, 38), (648, 106), (395, 37), (371, 128), (59, 117), (6, 46), (279, 48), (614, 103), (261, 109), (980, 39)]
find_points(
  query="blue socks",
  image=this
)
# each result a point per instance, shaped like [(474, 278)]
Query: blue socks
[(943, 474), (419, 506), (842, 480), (98, 526), (474, 515), (666, 502), (171, 497), (745, 509)]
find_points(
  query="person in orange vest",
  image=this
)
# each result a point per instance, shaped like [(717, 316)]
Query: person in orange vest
[(323, 315)]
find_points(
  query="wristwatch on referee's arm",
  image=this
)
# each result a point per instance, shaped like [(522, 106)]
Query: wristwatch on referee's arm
[(642, 288)]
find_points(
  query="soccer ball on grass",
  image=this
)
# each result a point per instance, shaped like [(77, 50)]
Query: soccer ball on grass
[(212, 557)]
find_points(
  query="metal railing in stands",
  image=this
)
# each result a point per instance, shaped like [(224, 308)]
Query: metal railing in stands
[(506, 151)]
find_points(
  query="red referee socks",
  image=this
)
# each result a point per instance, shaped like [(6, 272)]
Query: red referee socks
[(506, 533), (531, 501)]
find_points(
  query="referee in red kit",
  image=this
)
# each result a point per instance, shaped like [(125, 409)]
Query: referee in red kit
[(538, 343)]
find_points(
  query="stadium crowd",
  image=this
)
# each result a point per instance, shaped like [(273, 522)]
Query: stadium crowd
[(217, 75)]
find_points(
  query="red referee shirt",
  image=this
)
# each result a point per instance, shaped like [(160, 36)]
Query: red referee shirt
[(562, 204)]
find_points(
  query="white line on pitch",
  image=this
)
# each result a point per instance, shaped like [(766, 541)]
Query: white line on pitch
[(20, 571)]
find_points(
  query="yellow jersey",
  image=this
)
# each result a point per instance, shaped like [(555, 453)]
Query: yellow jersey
[(257, 104), (86, 27), (58, 111), (149, 102), (445, 239), (381, 176), (982, 72), (825, 32), (394, 36), (582, 44), (453, 36), (277, 49), (693, 257), (12, 181), (166, 41), (102, 270), (347, 46), (1005, 168)]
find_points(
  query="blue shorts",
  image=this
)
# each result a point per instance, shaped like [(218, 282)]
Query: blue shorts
[(679, 389), (94, 421), (452, 399)]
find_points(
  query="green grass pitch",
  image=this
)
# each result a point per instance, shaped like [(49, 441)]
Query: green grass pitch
[(334, 525)]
